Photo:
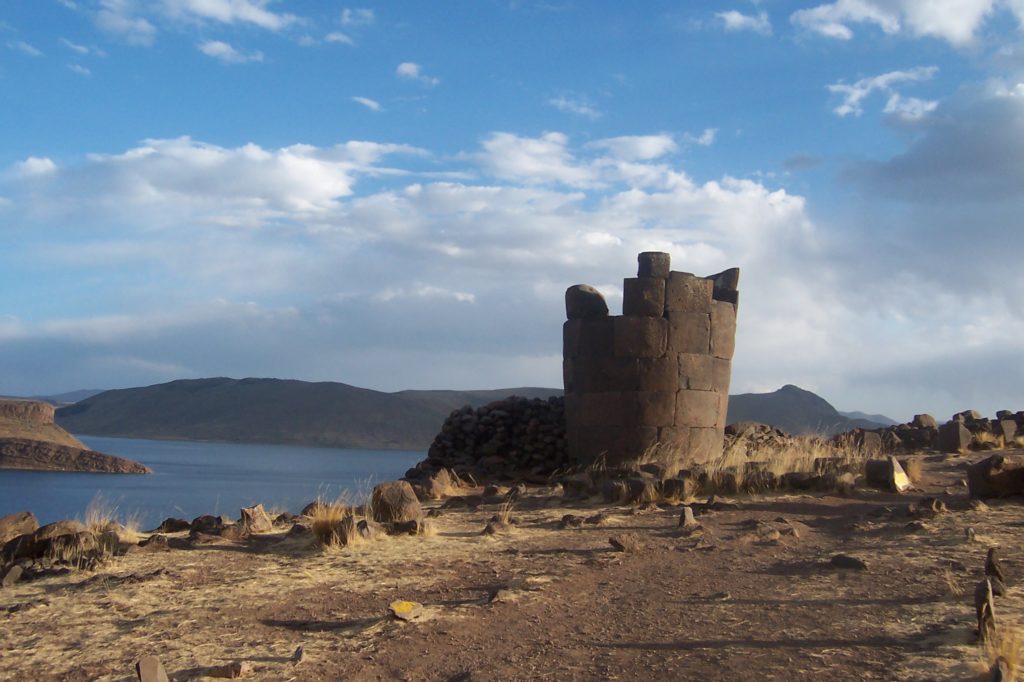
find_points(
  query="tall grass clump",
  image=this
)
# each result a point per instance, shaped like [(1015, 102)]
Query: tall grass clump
[(333, 523)]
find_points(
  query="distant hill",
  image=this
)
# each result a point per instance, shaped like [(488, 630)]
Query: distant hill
[(276, 411), (795, 411), (876, 418), (329, 414)]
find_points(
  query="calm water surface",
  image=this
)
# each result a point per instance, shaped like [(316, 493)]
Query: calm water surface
[(190, 479)]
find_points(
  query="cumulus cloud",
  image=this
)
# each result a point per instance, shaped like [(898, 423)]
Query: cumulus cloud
[(410, 281), (955, 21), (637, 147), (854, 94), (224, 52), (120, 19), (413, 71), (737, 21), (34, 165)]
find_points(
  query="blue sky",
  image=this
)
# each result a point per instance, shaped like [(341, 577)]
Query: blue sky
[(397, 195)]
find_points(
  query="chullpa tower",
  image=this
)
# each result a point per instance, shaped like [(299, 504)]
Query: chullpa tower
[(658, 373)]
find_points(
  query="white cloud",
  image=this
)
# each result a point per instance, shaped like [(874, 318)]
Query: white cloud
[(371, 104), (705, 139), (737, 21), (80, 49), (25, 48), (909, 109), (357, 17), (34, 166), (413, 71), (955, 21), (339, 37), (381, 277), (575, 105), (120, 19), (854, 94), (229, 12), (79, 69), (637, 147), (227, 54)]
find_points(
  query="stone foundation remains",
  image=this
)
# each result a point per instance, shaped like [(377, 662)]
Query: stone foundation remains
[(657, 374)]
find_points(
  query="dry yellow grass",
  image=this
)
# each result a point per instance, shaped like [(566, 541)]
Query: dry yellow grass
[(986, 438), (1008, 644)]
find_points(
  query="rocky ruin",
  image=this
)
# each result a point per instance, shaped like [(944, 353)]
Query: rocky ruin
[(657, 374)]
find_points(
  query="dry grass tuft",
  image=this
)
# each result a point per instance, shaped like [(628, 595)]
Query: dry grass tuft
[(986, 438), (101, 516), (505, 512), (953, 588), (1008, 644), (1018, 442), (333, 523)]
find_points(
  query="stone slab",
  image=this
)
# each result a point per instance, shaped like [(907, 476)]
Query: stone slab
[(588, 338), (643, 297), (688, 293), (697, 408), (640, 337), (654, 264), (705, 444), (722, 375), (689, 332), (657, 374), (696, 371), (648, 408), (583, 301), (723, 329)]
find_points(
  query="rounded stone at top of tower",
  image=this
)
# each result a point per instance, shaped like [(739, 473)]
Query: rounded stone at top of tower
[(654, 264)]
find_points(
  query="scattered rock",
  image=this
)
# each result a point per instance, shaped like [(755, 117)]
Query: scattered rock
[(172, 525), (583, 301), (395, 502), (597, 519), (996, 476), (230, 671), (256, 520), (978, 506), (993, 567), (299, 656), (626, 542), (405, 610), (642, 490), (18, 523), (1000, 671), (913, 467), (614, 491), (886, 474), (496, 528), (984, 607), (570, 521), (687, 520), (11, 575), (846, 561), (371, 530), (410, 527), (720, 596), (150, 669)]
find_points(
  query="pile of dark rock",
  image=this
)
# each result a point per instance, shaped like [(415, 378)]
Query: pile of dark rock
[(515, 439), (967, 430)]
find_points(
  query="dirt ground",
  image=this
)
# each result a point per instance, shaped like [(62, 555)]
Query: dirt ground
[(751, 596)]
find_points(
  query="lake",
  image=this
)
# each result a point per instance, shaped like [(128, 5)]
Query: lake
[(192, 478)]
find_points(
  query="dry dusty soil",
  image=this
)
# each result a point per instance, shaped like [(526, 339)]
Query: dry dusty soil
[(750, 596)]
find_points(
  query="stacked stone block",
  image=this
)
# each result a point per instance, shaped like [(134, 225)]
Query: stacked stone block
[(659, 373)]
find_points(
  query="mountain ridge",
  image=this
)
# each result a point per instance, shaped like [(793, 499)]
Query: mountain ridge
[(332, 414)]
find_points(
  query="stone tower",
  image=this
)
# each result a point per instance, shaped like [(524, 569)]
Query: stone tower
[(659, 373)]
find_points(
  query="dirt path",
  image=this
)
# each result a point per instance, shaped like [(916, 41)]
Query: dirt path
[(750, 596)]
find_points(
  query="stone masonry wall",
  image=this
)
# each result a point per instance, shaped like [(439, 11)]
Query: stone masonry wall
[(659, 373)]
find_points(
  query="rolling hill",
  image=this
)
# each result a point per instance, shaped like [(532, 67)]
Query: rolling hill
[(329, 414), (324, 414)]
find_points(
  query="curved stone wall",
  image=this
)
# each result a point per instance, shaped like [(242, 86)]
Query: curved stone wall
[(658, 374)]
